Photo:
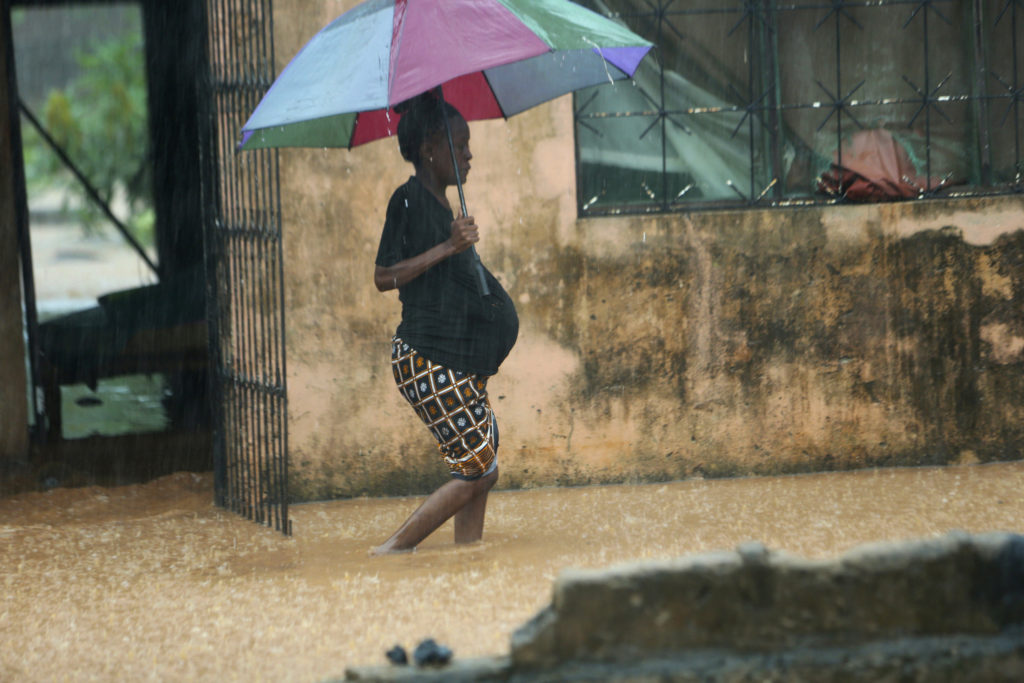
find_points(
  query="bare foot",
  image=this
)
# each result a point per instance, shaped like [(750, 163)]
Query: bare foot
[(389, 549)]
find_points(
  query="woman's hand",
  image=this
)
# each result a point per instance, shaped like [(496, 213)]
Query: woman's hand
[(465, 234)]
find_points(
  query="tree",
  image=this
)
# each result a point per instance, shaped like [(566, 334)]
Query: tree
[(100, 120)]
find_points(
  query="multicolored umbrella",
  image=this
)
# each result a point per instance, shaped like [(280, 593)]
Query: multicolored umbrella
[(493, 58)]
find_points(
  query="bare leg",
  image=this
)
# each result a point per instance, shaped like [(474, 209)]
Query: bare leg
[(469, 519), (435, 511)]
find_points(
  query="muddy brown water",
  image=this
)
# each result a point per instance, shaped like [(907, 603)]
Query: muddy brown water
[(153, 582)]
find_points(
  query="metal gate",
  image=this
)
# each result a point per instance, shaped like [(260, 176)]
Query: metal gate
[(245, 287)]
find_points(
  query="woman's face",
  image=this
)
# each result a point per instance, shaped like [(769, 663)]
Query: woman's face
[(439, 158)]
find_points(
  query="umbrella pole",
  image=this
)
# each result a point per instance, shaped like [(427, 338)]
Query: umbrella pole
[(481, 278)]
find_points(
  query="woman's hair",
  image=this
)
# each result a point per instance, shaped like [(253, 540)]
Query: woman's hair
[(421, 118)]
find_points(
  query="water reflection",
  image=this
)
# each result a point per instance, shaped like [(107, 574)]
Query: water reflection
[(129, 404)]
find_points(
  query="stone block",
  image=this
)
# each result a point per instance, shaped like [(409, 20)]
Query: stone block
[(753, 600), (935, 610)]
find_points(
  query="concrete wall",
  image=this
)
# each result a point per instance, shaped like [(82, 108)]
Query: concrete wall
[(658, 347)]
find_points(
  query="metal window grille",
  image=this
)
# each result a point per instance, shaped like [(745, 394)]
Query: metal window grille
[(245, 273), (754, 103)]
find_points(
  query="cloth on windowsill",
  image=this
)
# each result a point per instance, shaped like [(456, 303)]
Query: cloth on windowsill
[(876, 167)]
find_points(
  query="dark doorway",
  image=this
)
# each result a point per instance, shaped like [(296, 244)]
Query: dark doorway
[(205, 327), (111, 121)]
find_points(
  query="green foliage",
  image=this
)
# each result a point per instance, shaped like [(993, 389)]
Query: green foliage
[(100, 121)]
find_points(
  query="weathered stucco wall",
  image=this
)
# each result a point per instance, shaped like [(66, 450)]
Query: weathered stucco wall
[(655, 347)]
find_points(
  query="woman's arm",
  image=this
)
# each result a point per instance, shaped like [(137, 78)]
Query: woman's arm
[(464, 234)]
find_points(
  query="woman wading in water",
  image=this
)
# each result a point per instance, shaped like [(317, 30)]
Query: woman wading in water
[(451, 338)]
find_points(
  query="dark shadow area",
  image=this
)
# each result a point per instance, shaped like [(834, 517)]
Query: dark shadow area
[(118, 368)]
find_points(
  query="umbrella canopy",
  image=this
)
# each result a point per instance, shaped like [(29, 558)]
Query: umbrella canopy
[(494, 58)]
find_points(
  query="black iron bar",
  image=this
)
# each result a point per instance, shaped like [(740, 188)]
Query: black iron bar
[(21, 218), (751, 75), (266, 371), (928, 107), (220, 258), (229, 274), (263, 245), (661, 113), (211, 256), (839, 110), (983, 134), (90, 190), (771, 73), (266, 251), (225, 191), (847, 104), (247, 353), (264, 445), (279, 455), (280, 371), (250, 216), (1018, 163), (264, 442), (226, 188), (253, 445), (236, 285)]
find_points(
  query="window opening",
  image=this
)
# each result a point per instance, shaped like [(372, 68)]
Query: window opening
[(765, 103)]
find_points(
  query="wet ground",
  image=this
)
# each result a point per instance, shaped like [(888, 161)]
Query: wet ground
[(152, 582)]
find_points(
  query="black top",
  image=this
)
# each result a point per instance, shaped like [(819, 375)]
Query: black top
[(444, 317)]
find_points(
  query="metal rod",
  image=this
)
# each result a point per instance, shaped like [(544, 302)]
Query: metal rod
[(481, 277), (839, 111), (983, 153), (21, 218), (1017, 161), (235, 219), (260, 283), (771, 71), (93, 193), (249, 214), (212, 255), (928, 108), (662, 117), (249, 272), (751, 74), (250, 210), (277, 412), (281, 376)]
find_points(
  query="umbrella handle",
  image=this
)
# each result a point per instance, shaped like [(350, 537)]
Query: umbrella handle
[(481, 278)]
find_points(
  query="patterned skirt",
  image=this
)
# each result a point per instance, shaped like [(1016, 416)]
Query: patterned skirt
[(455, 408)]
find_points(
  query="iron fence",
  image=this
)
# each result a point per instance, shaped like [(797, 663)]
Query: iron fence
[(245, 273)]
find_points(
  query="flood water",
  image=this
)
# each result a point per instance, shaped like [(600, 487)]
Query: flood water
[(153, 582)]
